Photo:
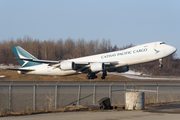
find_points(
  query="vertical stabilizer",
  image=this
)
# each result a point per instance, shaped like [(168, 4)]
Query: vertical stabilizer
[(21, 53)]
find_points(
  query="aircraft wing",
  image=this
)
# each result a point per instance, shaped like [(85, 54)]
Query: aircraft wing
[(58, 62), (105, 63), (81, 66)]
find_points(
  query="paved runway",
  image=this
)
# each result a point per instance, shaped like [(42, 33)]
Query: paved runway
[(100, 115)]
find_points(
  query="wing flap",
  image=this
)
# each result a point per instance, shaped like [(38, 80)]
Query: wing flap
[(111, 63)]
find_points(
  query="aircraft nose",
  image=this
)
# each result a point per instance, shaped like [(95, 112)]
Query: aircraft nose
[(172, 49)]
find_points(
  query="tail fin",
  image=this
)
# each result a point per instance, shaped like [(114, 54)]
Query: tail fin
[(21, 53)]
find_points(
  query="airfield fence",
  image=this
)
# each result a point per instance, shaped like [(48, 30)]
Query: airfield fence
[(39, 97)]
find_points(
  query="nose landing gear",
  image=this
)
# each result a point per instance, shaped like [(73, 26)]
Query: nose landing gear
[(160, 63)]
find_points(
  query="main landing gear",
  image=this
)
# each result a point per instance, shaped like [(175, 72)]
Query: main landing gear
[(94, 76), (91, 76), (104, 75)]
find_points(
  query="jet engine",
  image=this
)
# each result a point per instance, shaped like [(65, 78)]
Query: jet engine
[(67, 66), (95, 67), (122, 69)]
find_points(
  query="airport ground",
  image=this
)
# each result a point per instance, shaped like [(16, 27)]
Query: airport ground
[(14, 76), (101, 115), (8, 75)]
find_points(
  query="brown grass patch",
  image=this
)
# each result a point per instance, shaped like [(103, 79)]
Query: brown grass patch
[(30, 112), (14, 76)]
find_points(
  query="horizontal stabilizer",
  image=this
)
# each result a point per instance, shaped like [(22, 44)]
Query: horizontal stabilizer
[(27, 70), (39, 61)]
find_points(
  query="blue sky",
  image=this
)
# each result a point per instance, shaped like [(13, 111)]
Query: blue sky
[(122, 21)]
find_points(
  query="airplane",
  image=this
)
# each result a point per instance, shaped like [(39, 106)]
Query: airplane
[(117, 61)]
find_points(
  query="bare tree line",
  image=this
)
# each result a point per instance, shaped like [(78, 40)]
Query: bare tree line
[(53, 49), (69, 48)]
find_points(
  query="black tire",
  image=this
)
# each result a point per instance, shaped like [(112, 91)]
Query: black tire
[(160, 66), (103, 77)]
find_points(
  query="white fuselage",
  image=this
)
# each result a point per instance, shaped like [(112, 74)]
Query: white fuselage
[(134, 55)]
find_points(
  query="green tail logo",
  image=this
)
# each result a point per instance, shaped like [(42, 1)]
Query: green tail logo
[(156, 51)]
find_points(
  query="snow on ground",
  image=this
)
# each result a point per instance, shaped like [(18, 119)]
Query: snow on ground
[(1, 76), (130, 72), (137, 75)]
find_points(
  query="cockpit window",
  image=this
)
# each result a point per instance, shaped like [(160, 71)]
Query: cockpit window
[(162, 43)]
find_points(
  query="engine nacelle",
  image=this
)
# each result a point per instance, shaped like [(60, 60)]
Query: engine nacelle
[(122, 69), (95, 67), (67, 66)]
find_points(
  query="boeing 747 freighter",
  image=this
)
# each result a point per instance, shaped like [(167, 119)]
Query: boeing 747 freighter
[(118, 61)]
